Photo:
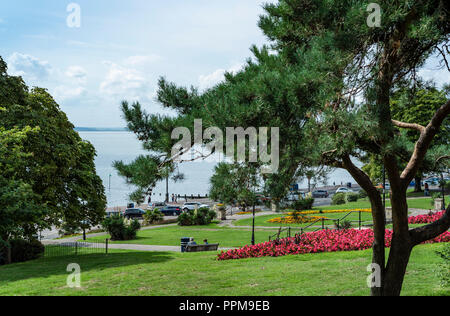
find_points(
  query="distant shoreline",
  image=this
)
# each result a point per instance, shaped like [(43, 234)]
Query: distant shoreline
[(100, 129)]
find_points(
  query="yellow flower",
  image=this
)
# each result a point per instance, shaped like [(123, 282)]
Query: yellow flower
[(296, 220), (330, 211)]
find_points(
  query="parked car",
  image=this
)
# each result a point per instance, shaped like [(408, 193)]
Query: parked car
[(171, 210), (320, 194), (133, 213), (432, 181), (343, 190), (158, 205), (295, 196), (190, 206)]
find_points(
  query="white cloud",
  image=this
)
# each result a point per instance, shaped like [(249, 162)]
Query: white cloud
[(142, 60), (63, 93), (126, 83), (28, 66), (76, 72), (209, 81)]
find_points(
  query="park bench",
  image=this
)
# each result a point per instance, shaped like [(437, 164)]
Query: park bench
[(200, 248)]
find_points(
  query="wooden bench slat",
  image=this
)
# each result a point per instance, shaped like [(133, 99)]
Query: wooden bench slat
[(200, 248)]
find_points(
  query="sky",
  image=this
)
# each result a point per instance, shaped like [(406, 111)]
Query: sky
[(121, 49)]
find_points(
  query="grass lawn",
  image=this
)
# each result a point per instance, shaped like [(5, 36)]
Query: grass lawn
[(419, 203), (263, 220), (139, 273), (171, 235)]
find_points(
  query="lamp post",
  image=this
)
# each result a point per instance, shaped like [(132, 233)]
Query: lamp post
[(253, 225), (384, 188), (443, 191)]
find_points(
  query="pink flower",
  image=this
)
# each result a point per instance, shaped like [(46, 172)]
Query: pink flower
[(316, 242)]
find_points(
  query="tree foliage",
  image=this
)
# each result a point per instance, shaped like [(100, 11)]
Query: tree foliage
[(58, 166), (234, 184)]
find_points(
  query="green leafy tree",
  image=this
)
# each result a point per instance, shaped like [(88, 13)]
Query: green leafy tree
[(234, 184), (21, 212), (59, 166)]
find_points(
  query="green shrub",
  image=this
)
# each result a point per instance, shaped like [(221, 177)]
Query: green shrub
[(186, 219), (202, 216), (344, 225), (338, 199), (67, 230), (434, 196), (302, 204), (23, 250), (119, 229), (362, 194), (153, 217), (351, 197)]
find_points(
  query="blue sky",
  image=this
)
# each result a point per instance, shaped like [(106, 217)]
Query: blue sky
[(123, 47)]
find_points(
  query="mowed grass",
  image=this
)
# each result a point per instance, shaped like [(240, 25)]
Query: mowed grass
[(263, 220), (171, 236), (197, 274), (418, 203)]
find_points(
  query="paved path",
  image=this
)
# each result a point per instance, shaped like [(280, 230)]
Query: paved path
[(135, 247), (159, 248)]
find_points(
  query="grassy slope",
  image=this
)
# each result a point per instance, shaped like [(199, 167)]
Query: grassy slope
[(420, 203), (262, 220), (136, 273), (170, 236), (423, 203)]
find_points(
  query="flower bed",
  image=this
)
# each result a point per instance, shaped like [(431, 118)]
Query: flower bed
[(296, 219), (365, 210), (315, 242), (425, 219)]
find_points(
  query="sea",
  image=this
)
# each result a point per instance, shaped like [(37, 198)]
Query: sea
[(124, 146)]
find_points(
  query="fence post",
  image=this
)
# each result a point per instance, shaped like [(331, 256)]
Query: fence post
[(106, 246), (339, 224), (289, 232), (323, 223), (76, 248)]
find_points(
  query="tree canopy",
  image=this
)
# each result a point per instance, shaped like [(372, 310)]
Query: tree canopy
[(58, 165)]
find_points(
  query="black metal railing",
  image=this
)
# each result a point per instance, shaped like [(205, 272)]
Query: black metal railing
[(323, 226), (61, 248)]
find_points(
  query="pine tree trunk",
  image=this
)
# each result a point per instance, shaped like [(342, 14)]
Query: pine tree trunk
[(396, 268), (378, 249), (401, 244)]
